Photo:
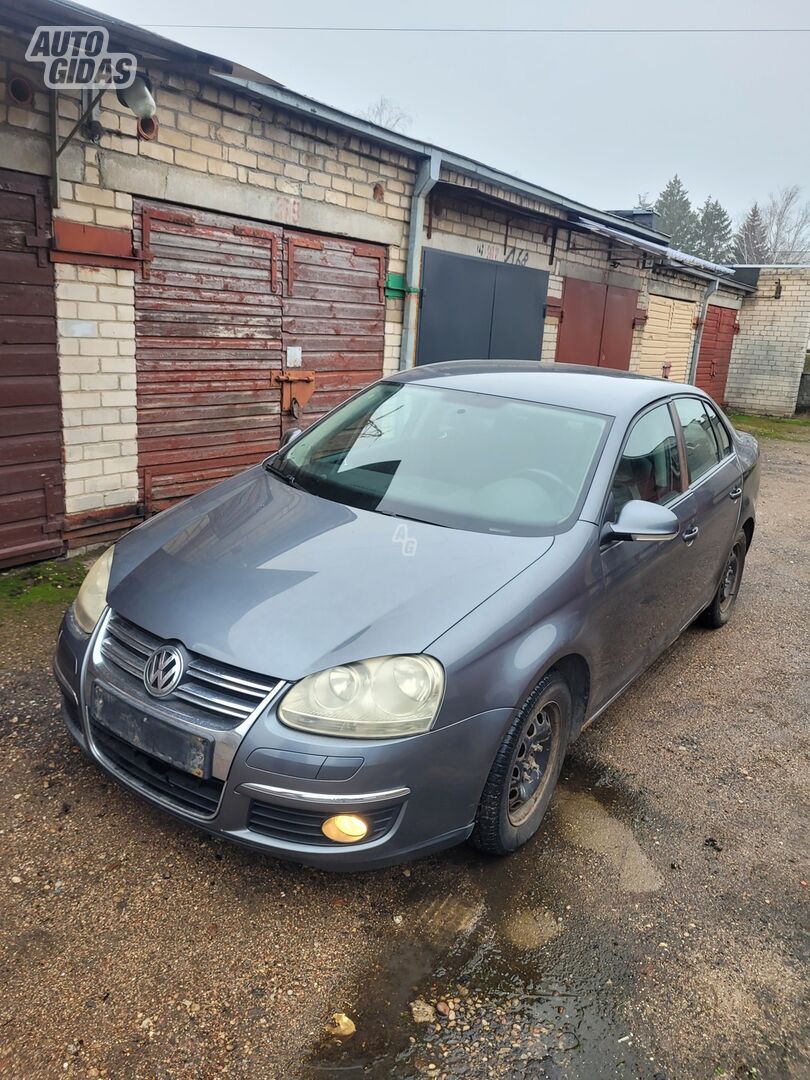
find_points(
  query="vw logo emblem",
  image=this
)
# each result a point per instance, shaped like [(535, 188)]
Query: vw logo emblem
[(163, 671)]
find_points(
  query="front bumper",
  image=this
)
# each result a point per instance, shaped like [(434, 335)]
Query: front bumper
[(270, 787)]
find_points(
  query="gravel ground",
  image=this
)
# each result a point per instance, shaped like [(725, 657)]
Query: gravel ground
[(653, 927)]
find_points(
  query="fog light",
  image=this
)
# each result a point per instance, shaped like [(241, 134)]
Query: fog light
[(345, 828)]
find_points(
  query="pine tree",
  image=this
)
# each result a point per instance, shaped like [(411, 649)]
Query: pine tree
[(751, 242), (713, 233), (678, 219)]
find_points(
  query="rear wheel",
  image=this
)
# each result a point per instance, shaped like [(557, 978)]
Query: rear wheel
[(719, 611), (526, 769)]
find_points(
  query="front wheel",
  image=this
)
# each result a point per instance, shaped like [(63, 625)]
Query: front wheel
[(719, 610), (526, 769)]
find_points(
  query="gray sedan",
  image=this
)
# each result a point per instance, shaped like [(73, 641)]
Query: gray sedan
[(381, 641)]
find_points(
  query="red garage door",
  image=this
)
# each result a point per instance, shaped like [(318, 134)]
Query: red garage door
[(715, 351), (596, 324), (225, 306), (334, 311), (208, 336), (31, 487)]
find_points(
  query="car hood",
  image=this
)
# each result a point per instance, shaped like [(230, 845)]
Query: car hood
[(280, 582)]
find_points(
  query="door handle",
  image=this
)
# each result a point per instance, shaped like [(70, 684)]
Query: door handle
[(690, 534), (735, 493)]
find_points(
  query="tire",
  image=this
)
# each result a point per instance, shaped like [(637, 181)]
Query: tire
[(511, 807), (719, 610)]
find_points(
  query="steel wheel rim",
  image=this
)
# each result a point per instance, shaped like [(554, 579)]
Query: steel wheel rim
[(530, 770), (731, 578)]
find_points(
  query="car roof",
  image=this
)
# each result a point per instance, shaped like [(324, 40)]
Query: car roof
[(601, 390)]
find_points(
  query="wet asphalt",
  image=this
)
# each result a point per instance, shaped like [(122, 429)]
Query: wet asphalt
[(655, 927)]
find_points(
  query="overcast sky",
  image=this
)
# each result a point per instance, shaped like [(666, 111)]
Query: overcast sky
[(596, 116)]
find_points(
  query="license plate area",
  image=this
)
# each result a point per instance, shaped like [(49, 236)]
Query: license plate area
[(182, 749)]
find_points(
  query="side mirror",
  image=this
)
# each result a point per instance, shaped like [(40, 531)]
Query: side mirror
[(289, 435), (640, 520)]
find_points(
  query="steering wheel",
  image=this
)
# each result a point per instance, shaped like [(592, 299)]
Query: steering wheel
[(534, 472)]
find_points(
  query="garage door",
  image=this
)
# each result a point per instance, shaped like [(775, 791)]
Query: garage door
[(666, 343), (224, 307), (596, 324), (477, 309), (715, 351), (333, 310), (31, 486)]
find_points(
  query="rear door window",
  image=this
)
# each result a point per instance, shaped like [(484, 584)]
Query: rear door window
[(719, 429), (702, 453)]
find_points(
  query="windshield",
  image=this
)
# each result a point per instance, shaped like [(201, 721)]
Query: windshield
[(450, 457)]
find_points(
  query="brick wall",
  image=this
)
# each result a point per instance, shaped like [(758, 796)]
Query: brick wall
[(95, 310), (216, 149), (768, 357)]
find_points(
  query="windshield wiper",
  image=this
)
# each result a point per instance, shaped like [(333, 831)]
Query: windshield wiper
[(276, 471), (408, 517)]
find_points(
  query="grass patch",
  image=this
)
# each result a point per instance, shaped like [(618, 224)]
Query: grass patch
[(791, 428), (54, 582)]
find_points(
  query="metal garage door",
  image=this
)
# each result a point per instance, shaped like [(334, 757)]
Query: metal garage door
[(596, 324), (477, 309), (667, 340), (715, 350), (221, 305), (31, 484)]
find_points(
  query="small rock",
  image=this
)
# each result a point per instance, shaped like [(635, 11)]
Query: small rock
[(443, 1008), (421, 1012), (341, 1025), (397, 920)]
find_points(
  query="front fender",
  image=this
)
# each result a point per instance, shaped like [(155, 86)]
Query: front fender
[(497, 654)]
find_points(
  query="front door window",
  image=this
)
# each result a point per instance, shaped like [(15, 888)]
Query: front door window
[(650, 465)]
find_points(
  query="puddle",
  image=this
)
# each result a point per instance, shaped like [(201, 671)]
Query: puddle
[(518, 985)]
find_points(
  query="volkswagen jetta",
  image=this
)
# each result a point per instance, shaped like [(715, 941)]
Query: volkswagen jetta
[(381, 640)]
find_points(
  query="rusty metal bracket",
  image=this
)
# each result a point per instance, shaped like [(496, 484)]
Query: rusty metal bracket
[(294, 242), (275, 243), (297, 387), (148, 215), (364, 250)]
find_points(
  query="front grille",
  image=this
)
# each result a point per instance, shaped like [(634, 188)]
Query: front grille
[(210, 690), (300, 826), (156, 777)]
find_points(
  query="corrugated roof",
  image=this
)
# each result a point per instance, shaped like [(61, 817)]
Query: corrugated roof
[(672, 254)]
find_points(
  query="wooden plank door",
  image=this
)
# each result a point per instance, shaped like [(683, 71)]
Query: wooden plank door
[(715, 351), (334, 312), (667, 340), (208, 338), (31, 480)]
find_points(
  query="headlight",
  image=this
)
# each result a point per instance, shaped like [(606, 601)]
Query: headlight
[(384, 698), (92, 596)]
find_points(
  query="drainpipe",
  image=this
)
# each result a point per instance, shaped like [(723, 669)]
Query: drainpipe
[(709, 292), (426, 180)]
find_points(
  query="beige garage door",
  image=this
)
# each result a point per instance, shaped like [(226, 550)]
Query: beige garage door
[(666, 342)]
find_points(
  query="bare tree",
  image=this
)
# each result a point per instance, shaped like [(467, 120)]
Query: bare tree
[(787, 226), (387, 114)]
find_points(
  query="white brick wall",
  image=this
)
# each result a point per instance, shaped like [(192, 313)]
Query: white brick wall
[(769, 352), (95, 310)]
